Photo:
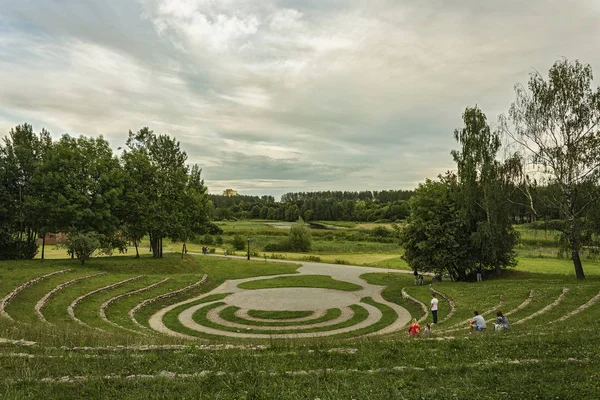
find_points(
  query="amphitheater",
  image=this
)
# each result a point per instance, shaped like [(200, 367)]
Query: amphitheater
[(270, 308)]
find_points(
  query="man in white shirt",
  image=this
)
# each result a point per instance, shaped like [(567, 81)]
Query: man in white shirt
[(434, 307), (477, 323)]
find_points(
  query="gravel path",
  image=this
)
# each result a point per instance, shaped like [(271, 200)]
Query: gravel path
[(186, 320), (289, 299), (213, 316), (243, 313)]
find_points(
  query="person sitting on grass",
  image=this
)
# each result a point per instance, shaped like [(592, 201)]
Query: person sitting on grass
[(477, 323), (501, 322), (414, 329)]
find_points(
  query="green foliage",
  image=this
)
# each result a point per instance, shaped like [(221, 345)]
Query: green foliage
[(436, 239), (208, 239), (83, 245), (462, 223), (238, 242), (299, 238), (554, 122)]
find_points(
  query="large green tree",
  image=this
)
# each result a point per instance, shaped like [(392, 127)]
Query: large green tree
[(21, 155), (80, 189), (555, 122), (484, 188), (436, 238)]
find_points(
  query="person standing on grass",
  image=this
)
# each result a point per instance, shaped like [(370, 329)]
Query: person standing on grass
[(477, 323), (433, 306), (416, 274)]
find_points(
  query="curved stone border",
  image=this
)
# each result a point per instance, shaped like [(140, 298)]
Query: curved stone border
[(105, 305), (543, 310), (161, 297), (21, 342), (496, 307), (185, 318), (448, 300), (579, 309), (522, 305), (4, 302), (71, 308), (487, 312), (42, 302), (408, 297), (243, 314), (215, 317)]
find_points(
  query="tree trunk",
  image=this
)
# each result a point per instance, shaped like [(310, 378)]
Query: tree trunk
[(577, 264), (43, 245), (160, 248), (183, 250), (137, 253)]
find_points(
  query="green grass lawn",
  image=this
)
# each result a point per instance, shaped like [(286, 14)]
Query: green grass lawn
[(310, 281), (539, 358)]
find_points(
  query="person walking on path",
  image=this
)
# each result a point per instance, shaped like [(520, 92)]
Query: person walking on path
[(433, 306)]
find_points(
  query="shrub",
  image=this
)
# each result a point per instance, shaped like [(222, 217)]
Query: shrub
[(219, 240), (208, 239), (13, 249), (299, 238), (83, 245), (238, 242)]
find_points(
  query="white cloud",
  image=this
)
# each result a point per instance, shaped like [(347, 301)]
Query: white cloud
[(351, 95)]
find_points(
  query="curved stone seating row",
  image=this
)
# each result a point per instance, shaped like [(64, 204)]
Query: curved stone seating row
[(579, 309), (522, 305), (514, 310), (545, 309), (108, 302), (448, 300), (146, 302), (42, 302), (483, 314), (243, 314), (6, 299), (71, 308), (215, 317), (407, 297)]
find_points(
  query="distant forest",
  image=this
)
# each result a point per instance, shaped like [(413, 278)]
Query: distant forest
[(365, 206)]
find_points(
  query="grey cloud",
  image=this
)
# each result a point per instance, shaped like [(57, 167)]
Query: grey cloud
[(284, 93)]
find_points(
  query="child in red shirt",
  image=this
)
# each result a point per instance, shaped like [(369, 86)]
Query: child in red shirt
[(414, 329)]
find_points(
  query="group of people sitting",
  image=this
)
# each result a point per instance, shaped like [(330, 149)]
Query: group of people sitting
[(476, 324)]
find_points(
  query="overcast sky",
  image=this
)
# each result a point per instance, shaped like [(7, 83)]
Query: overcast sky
[(272, 96)]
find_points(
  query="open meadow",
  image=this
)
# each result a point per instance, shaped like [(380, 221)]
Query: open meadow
[(206, 326)]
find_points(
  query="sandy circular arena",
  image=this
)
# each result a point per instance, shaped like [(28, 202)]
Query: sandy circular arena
[(291, 299)]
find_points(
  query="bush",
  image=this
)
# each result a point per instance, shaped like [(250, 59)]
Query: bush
[(208, 239), (13, 249), (83, 245), (238, 242), (219, 240), (299, 238)]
